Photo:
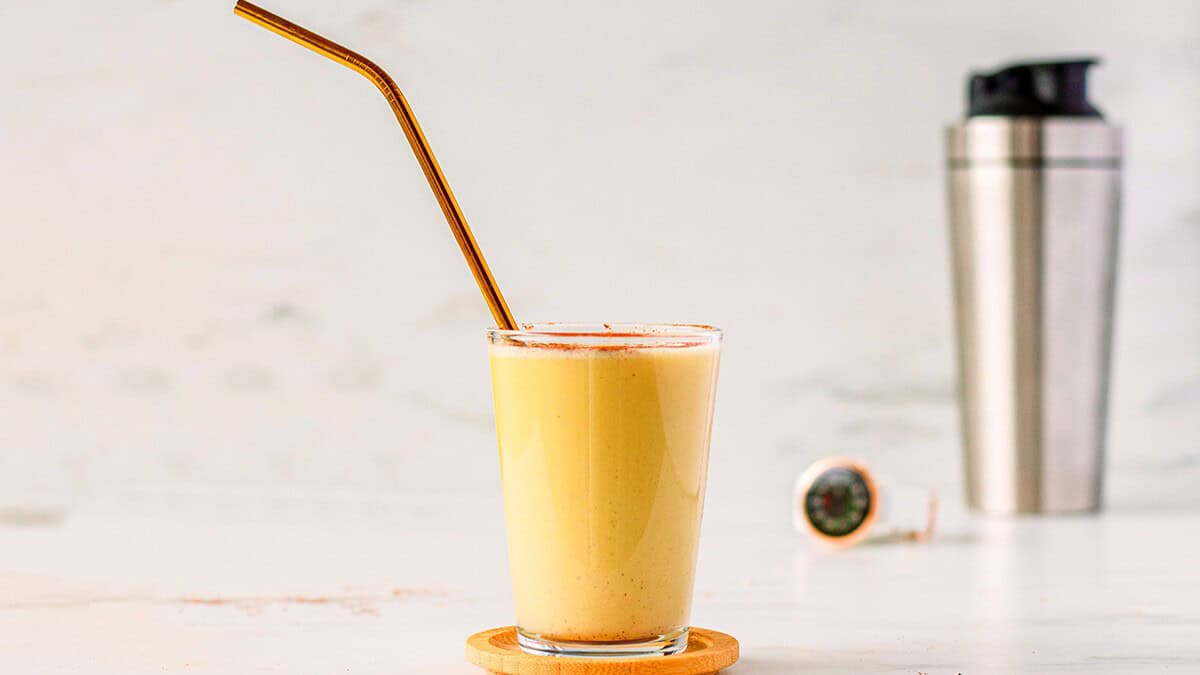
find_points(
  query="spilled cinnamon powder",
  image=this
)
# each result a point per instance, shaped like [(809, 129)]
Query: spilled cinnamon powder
[(356, 604)]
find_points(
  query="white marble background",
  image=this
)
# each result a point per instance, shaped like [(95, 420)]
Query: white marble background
[(221, 270)]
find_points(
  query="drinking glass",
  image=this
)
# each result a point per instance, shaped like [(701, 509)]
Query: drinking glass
[(603, 432)]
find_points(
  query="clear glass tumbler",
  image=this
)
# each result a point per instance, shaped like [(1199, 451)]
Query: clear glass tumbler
[(603, 432)]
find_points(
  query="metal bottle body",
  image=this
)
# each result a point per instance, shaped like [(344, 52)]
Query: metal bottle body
[(1034, 211)]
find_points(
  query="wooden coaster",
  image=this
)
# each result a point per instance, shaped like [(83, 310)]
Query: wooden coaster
[(496, 651)]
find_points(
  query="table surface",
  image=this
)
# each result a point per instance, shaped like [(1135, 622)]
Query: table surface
[(245, 582)]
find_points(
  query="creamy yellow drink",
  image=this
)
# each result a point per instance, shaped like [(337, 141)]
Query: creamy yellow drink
[(603, 455)]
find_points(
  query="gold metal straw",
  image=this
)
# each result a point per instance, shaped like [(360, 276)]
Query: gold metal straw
[(420, 146)]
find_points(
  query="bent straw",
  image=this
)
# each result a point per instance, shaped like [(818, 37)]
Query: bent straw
[(420, 146)]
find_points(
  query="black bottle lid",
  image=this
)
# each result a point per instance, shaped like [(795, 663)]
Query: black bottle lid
[(1033, 89)]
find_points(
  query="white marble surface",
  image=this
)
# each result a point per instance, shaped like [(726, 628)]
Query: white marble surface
[(221, 265), (279, 583), (241, 358)]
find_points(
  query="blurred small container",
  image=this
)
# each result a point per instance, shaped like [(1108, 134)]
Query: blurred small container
[(840, 502)]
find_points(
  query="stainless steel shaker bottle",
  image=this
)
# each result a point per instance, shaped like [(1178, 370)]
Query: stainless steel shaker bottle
[(1034, 194)]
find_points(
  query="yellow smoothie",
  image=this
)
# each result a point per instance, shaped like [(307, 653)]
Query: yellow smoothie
[(603, 456)]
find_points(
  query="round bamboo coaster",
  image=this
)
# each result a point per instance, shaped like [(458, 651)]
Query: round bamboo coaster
[(496, 651)]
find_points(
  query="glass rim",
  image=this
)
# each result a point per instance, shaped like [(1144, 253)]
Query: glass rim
[(580, 333)]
